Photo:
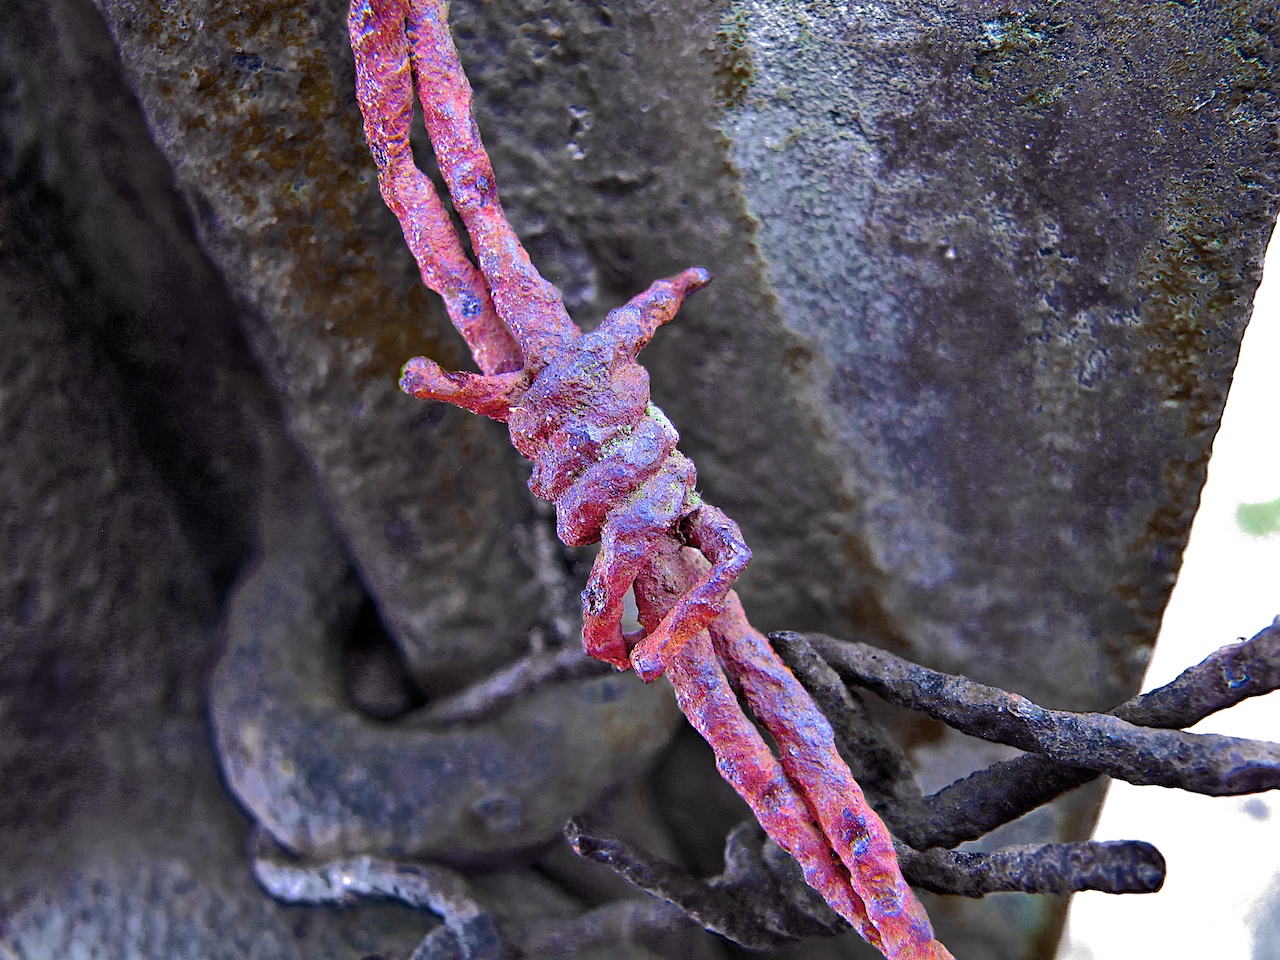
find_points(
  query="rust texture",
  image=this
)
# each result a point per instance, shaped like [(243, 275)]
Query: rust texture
[(578, 406), (956, 379), (758, 901)]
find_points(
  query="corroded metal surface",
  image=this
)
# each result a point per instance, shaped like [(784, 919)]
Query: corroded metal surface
[(1107, 742), (466, 930), (578, 406)]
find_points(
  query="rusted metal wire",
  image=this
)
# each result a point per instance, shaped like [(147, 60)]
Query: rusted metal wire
[(577, 404), (1201, 763), (972, 807)]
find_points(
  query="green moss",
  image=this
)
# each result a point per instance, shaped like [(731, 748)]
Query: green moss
[(1005, 37), (734, 73)]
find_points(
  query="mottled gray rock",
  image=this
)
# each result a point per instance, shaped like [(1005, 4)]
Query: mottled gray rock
[(255, 113), (1026, 243), (974, 420), (154, 866), (116, 838), (326, 781), (973, 321)]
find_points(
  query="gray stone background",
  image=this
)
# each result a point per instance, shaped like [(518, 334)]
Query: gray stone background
[(981, 273)]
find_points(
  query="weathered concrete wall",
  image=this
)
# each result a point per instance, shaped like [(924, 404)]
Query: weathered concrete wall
[(1027, 243), (980, 277), (117, 541), (255, 113), (1012, 256)]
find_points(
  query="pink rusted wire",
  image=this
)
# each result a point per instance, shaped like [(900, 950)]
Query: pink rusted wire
[(628, 485)]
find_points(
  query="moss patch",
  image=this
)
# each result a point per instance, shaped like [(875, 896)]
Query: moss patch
[(735, 73)]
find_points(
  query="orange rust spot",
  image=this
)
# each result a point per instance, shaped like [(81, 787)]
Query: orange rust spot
[(295, 177)]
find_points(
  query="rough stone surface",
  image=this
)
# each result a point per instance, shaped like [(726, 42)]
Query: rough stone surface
[(116, 839), (973, 320), (326, 781), (136, 429), (255, 112), (1026, 243), (611, 165), (969, 448)]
